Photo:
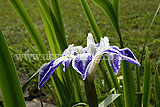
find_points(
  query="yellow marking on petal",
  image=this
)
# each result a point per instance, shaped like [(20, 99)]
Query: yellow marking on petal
[(78, 51), (92, 73)]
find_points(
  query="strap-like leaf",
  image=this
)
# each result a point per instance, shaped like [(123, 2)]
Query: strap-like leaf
[(157, 87), (110, 99), (116, 7), (54, 24), (147, 81), (9, 83), (26, 20), (107, 7)]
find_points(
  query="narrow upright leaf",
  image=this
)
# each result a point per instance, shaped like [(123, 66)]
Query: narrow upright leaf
[(58, 14), (116, 7), (54, 24), (157, 87), (107, 7), (128, 84), (26, 20), (110, 99), (147, 81), (9, 83), (91, 20)]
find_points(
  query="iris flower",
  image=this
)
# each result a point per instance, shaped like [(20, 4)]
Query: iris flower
[(85, 60)]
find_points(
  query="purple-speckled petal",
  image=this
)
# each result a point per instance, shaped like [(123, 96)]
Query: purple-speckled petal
[(80, 63), (47, 70), (128, 55), (115, 61), (66, 64)]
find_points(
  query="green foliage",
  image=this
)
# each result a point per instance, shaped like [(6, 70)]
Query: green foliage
[(17, 5), (128, 84), (109, 100), (157, 87), (147, 81), (107, 7), (9, 83)]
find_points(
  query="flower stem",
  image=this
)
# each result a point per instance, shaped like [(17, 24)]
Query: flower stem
[(91, 93)]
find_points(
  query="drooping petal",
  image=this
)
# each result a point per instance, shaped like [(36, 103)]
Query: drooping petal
[(47, 69), (115, 54), (128, 55), (114, 61), (80, 63), (66, 64)]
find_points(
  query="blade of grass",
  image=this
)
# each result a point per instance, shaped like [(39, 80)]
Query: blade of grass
[(80, 104), (53, 43), (107, 7), (157, 87), (54, 24), (106, 79), (139, 69), (78, 88), (110, 99), (26, 20), (91, 20), (138, 77), (60, 90), (147, 81), (116, 7), (40, 97), (58, 14), (128, 84), (120, 100), (52, 94), (9, 83)]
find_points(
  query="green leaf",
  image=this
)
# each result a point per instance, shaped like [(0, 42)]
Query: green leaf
[(54, 24), (58, 14), (128, 84), (106, 79), (26, 20), (9, 83), (154, 17), (147, 81), (157, 87), (110, 99), (107, 7), (120, 101), (139, 69), (80, 104), (60, 90), (24, 87), (116, 7), (52, 94), (53, 43), (138, 77), (76, 82), (91, 20)]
